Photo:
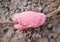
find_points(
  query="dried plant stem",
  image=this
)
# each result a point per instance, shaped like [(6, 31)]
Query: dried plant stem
[(54, 12), (6, 22), (48, 15)]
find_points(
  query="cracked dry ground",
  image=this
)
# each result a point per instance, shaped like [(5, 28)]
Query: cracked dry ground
[(49, 32)]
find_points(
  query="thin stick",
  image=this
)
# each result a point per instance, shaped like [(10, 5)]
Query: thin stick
[(48, 15), (6, 22), (54, 12)]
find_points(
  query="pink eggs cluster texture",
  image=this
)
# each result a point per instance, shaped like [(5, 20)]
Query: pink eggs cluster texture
[(28, 19)]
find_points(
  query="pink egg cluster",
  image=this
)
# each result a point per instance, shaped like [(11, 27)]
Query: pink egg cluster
[(28, 19)]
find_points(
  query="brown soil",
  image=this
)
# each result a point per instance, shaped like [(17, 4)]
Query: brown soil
[(49, 32)]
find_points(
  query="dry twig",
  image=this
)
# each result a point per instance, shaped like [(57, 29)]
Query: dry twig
[(6, 22), (54, 12), (48, 15)]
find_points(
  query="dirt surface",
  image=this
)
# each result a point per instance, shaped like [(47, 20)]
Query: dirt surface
[(49, 32)]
